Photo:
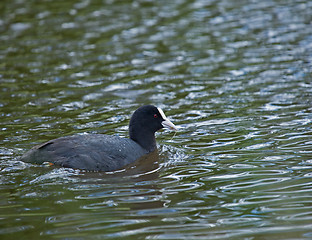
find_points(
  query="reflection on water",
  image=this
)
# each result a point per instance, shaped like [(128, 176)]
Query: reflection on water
[(235, 77)]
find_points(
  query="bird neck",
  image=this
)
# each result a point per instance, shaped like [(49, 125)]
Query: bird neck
[(145, 139)]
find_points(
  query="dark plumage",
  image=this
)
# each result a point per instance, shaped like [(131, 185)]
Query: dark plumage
[(99, 152)]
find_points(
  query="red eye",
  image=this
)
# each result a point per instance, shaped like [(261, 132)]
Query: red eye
[(155, 116)]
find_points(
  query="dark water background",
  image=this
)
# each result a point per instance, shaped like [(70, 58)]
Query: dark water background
[(234, 76)]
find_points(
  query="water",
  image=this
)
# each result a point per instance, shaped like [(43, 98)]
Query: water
[(234, 76)]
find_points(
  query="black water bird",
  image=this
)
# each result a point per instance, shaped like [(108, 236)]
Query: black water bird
[(99, 152)]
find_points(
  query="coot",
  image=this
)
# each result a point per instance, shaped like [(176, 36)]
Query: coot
[(99, 152)]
